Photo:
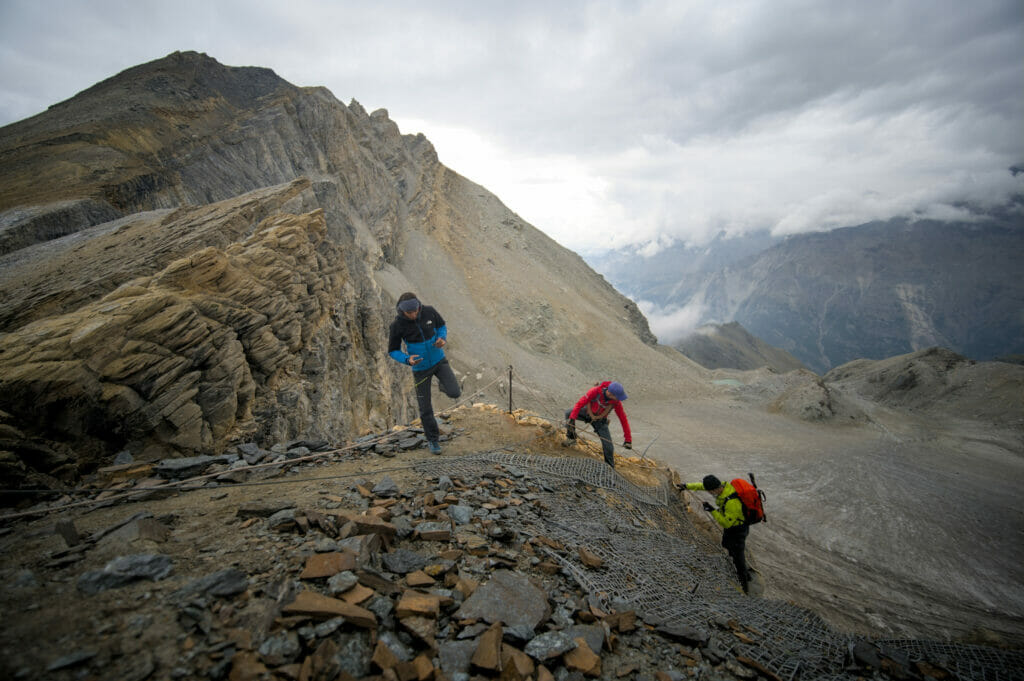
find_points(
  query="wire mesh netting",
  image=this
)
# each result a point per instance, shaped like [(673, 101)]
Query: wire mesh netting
[(684, 579)]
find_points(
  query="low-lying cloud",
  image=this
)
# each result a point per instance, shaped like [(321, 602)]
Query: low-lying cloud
[(673, 323)]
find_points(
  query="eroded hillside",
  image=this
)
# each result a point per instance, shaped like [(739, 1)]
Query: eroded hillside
[(510, 557), (198, 253)]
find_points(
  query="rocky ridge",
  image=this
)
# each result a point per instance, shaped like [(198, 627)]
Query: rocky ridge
[(399, 574), (208, 349), (199, 254)]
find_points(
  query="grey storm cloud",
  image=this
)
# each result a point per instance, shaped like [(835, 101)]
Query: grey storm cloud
[(617, 124)]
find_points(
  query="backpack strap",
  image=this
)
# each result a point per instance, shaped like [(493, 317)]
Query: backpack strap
[(746, 511)]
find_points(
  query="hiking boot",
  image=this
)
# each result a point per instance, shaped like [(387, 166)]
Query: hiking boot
[(434, 447), (568, 442)]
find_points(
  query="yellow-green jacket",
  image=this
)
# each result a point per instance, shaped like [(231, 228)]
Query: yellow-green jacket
[(730, 511)]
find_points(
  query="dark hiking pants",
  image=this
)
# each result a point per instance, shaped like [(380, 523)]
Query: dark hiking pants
[(449, 386), (734, 540), (601, 428)]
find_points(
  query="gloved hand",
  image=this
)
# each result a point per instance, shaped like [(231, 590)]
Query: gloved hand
[(708, 507), (627, 445)]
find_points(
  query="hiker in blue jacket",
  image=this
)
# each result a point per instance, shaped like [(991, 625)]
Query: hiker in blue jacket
[(424, 333)]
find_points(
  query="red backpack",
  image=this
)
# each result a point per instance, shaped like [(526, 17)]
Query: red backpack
[(752, 499)]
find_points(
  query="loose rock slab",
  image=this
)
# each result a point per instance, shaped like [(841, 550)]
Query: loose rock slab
[(509, 598), (317, 605)]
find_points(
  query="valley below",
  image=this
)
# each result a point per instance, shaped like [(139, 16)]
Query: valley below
[(883, 528)]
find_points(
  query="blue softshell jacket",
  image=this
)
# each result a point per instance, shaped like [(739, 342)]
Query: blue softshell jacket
[(419, 336)]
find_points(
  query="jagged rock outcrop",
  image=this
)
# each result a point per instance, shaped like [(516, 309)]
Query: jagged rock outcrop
[(193, 253), (258, 339)]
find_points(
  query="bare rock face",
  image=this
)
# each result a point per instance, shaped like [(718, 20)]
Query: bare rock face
[(188, 253), (247, 340), (194, 255)]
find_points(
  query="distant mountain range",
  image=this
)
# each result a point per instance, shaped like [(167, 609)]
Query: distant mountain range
[(872, 291)]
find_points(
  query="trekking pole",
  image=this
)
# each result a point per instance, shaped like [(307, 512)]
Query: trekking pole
[(644, 454), (761, 494), (509, 388)]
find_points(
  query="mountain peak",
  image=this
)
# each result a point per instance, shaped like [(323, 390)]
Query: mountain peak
[(184, 76)]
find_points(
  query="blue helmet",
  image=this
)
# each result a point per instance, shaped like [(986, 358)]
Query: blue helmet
[(616, 390)]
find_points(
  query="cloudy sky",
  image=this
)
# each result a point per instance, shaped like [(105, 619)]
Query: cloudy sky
[(616, 124)]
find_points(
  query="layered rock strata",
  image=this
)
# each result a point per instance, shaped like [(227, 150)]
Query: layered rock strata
[(192, 253), (258, 338)]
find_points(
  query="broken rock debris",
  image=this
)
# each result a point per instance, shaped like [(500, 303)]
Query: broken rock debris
[(349, 595)]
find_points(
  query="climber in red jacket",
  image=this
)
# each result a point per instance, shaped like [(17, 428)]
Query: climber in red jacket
[(593, 408)]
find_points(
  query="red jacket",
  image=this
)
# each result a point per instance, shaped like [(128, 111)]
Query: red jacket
[(598, 406)]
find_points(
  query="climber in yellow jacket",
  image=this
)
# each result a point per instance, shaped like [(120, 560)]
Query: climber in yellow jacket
[(728, 513)]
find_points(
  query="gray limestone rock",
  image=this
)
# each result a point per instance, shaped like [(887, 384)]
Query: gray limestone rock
[(592, 633), (227, 582), (125, 570), (329, 627), (187, 467), (342, 582), (365, 546), (403, 526), (456, 656), (354, 653), (473, 630), (510, 598), (284, 521), (403, 652), (549, 645), (865, 654), (385, 488), (280, 648), (383, 608), (326, 545), (460, 514), (404, 561), (23, 579)]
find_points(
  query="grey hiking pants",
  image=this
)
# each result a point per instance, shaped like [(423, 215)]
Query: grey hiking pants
[(601, 428), (734, 540), (449, 386)]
